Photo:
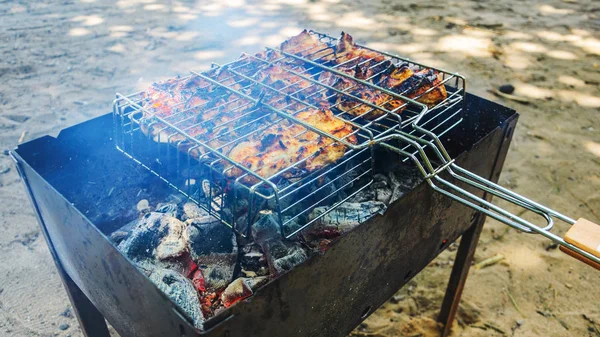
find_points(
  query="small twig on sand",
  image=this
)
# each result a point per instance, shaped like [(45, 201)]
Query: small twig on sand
[(563, 323), (514, 302), (550, 314), (495, 328), (489, 261), (593, 323), (22, 138), (544, 313), (482, 327)]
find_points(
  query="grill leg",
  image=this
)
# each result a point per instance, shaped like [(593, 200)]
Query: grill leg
[(462, 263), (91, 321), (468, 242)]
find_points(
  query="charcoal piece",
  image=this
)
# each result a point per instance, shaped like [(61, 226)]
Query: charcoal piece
[(168, 208), (266, 228), (119, 235), (122, 233), (143, 237), (191, 210), (281, 255), (175, 243), (293, 225), (202, 217), (253, 259), (342, 218), (380, 190), (179, 289), (402, 180), (241, 288), (214, 249), (198, 281)]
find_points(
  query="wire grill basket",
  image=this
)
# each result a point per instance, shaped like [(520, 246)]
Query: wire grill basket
[(244, 100)]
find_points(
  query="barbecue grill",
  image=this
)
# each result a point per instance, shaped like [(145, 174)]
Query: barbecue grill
[(453, 143)]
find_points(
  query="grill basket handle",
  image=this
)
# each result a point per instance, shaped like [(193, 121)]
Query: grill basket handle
[(582, 241)]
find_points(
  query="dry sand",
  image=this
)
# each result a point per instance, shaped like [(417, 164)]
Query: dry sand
[(61, 63)]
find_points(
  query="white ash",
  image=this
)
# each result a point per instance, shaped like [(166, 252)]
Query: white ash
[(391, 186), (176, 242), (342, 218), (143, 236), (169, 208), (179, 289), (191, 210)]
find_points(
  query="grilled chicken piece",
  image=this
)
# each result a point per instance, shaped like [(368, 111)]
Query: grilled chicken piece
[(402, 79), (202, 112), (353, 91), (414, 85), (282, 80), (282, 145), (350, 55), (170, 100), (309, 46), (288, 83), (398, 76)]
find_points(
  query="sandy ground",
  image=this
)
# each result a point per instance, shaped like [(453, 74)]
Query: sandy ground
[(61, 63)]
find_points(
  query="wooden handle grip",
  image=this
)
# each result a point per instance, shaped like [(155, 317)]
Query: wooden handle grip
[(584, 235)]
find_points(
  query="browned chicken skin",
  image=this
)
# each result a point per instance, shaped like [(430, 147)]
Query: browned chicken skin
[(282, 145)]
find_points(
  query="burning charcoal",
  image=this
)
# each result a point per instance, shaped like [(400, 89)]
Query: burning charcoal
[(179, 289), (214, 249), (342, 218), (175, 243), (198, 281), (281, 255), (239, 289)]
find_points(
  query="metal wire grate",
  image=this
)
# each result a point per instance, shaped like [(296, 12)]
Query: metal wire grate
[(191, 146)]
